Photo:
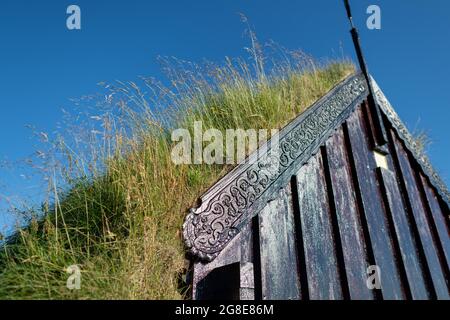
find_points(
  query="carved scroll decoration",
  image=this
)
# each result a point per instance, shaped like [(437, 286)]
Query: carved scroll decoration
[(235, 199), (410, 143)]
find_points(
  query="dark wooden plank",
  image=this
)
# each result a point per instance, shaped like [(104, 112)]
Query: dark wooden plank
[(321, 262), (418, 211), (239, 249), (350, 229), (279, 270), (377, 224), (256, 257), (247, 288), (202, 279), (247, 281), (438, 217), (229, 282), (222, 283), (404, 235), (246, 236)]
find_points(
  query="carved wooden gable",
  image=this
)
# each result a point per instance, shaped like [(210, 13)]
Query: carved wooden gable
[(314, 217)]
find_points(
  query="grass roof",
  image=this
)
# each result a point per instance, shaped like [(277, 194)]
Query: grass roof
[(116, 203)]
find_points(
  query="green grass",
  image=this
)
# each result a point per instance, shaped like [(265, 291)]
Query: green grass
[(117, 211)]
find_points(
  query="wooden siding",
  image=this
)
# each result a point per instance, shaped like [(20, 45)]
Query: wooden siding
[(339, 214)]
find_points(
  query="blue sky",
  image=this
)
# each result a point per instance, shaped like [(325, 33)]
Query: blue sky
[(43, 64)]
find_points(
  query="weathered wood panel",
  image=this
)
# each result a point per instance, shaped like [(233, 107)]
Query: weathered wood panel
[(404, 235), (320, 255), (315, 236), (221, 283), (438, 217), (380, 237), (229, 282), (246, 281), (200, 270), (239, 250), (418, 211), (279, 269), (247, 273), (348, 218), (246, 240)]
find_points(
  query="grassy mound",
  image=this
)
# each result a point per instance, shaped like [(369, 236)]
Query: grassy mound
[(117, 212)]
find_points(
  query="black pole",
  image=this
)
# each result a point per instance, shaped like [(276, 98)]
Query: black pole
[(380, 138)]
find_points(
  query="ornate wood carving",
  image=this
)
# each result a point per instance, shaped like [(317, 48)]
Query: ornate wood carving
[(234, 200), (242, 193), (410, 143)]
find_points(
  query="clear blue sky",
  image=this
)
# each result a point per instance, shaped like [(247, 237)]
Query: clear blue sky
[(42, 64)]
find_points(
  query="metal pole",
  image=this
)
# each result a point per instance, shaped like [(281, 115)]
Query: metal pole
[(380, 138)]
